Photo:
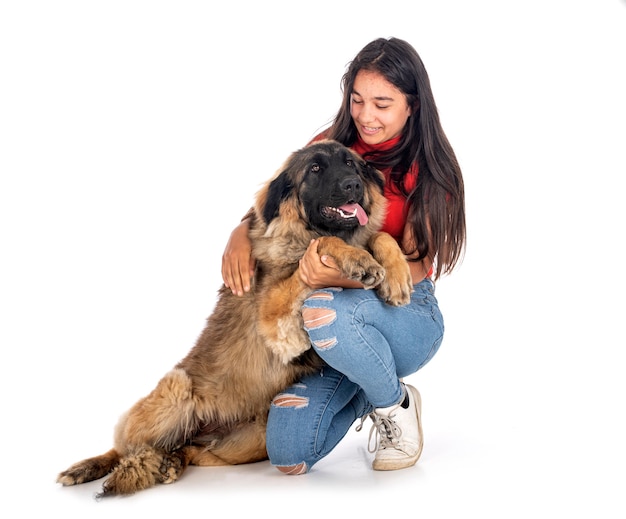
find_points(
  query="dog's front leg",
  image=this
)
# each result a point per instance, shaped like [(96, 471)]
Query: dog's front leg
[(397, 286), (353, 263), (280, 318)]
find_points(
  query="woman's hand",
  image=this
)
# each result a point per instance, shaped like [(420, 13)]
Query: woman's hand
[(237, 261), (321, 271)]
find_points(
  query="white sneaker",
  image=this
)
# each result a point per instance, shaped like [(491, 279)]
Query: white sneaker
[(399, 433)]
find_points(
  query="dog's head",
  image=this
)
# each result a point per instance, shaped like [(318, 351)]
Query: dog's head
[(328, 186)]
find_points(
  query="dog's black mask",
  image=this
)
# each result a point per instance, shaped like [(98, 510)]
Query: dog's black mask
[(330, 182)]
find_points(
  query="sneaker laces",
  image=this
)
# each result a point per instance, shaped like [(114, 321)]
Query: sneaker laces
[(385, 431)]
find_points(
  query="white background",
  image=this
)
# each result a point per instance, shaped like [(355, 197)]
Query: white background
[(133, 136)]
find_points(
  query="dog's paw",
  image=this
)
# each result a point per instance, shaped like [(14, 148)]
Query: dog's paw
[(89, 469), (172, 467), (79, 473), (395, 294), (396, 289), (361, 266)]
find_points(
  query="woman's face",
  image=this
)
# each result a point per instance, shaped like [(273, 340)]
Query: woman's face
[(379, 110)]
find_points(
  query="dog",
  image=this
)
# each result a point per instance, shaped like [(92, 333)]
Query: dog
[(211, 408)]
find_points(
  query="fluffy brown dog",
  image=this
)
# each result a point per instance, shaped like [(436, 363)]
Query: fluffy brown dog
[(211, 409)]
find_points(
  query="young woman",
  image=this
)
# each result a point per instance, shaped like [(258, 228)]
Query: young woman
[(389, 116)]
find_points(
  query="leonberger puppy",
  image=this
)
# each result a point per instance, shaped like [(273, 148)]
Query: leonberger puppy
[(211, 408)]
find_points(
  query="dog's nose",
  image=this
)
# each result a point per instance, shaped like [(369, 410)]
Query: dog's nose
[(352, 185)]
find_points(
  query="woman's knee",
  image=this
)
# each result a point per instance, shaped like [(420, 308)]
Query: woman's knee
[(323, 313), (284, 441), (293, 470)]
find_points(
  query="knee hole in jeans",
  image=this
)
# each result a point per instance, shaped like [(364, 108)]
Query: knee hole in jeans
[(290, 400), (317, 317), (294, 470)]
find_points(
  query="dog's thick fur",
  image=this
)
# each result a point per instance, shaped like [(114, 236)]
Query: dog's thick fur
[(211, 409)]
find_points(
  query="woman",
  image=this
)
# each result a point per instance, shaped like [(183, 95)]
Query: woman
[(389, 116)]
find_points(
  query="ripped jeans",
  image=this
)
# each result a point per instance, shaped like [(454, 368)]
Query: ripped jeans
[(367, 346)]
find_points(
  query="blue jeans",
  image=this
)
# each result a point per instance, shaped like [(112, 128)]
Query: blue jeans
[(367, 346)]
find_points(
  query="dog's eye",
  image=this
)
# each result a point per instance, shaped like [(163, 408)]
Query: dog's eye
[(315, 167), (349, 162)]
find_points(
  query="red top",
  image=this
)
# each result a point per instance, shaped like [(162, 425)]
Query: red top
[(396, 210)]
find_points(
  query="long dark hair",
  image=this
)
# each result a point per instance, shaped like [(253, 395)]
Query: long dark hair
[(436, 206)]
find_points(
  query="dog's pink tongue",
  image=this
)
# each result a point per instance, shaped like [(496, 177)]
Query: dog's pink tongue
[(360, 212)]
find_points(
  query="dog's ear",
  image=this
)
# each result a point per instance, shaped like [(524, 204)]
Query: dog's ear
[(279, 189), (370, 172)]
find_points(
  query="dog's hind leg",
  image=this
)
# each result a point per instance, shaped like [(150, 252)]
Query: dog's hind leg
[(89, 469), (245, 444), (144, 436), (165, 418), (148, 433)]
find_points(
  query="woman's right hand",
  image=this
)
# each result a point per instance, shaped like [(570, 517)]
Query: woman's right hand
[(321, 271), (237, 261)]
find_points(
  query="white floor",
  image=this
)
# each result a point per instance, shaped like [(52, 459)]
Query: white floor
[(516, 425), (121, 180)]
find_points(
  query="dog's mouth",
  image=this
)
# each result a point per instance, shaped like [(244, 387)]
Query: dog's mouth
[(346, 212)]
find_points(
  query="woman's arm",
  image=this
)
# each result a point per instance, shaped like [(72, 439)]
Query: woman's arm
[(237, 261), (419, 269)]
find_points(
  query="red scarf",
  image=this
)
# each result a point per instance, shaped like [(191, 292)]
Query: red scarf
[(396, 210)]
